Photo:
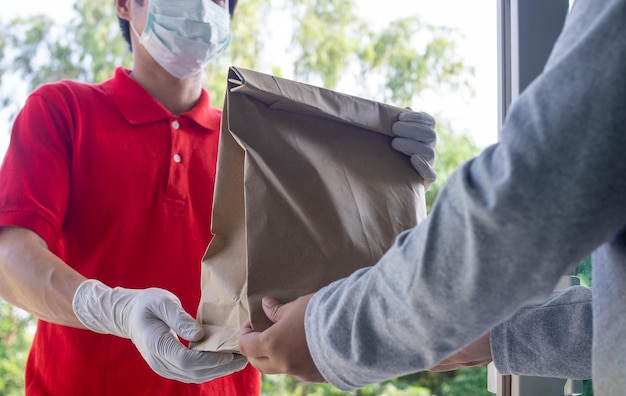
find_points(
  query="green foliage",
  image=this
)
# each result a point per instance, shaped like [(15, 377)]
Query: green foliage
[(15, 339), (283, 385), (583, 272), (37, 50), (469, 381), (587, 388), (96, 45), (245, 50), (326, 39), (453, 149), (398, 62), (409, 57)]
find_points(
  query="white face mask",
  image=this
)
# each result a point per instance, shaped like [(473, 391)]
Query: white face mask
[(183, 36)]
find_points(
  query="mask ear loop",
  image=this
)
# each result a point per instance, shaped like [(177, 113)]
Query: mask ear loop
[(139, 36), (148, 22)]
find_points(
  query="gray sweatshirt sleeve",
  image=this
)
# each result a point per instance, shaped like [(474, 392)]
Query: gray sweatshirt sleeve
[(552, 339), (504, 228)]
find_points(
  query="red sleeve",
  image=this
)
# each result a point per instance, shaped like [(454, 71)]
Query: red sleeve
[(34, 177)]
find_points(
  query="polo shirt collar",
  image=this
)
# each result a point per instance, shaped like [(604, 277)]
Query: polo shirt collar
[(139, 107)]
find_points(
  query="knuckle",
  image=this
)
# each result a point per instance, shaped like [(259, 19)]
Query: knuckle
[(184, 364), (271, 345), (275, 311)]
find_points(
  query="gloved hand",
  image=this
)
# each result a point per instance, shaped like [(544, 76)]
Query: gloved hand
[(150, 317), (416, 137)]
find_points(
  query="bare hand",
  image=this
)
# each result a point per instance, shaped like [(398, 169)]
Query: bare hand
[(282, 348), (478, 353)]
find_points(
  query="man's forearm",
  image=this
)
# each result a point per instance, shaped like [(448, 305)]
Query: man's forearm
[(34, 279)]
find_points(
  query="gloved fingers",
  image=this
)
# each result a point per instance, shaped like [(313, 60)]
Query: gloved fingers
[(173, 360), (417, 132), (201, 375), (411, 147), (417, 117), (169, 309), (425, 170)]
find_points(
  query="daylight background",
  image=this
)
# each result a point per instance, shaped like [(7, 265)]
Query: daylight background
[(475, 20)]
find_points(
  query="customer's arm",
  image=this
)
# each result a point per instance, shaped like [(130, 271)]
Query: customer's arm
[(505, 227), (552, 339)]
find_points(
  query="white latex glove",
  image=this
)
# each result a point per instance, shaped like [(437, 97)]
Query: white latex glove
[(416, 137), (150, 317)]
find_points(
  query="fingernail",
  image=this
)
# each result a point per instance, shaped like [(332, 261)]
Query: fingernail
[(268, 302)]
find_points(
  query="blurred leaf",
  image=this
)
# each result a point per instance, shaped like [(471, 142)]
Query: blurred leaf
[(583, 272)]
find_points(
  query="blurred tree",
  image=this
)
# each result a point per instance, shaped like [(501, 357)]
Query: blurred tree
[(246, 48), (15, 339), (453, 149), (330, 46), (38, 50), (583, 274), (403, 60), (411, 57), (326, 39)]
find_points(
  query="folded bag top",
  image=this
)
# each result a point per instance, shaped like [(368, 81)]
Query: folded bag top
[(308, 190)]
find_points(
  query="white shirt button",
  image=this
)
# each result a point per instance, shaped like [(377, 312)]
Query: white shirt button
[(177, 158), (175, 124)]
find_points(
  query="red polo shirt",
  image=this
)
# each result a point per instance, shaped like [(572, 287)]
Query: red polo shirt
[(121, 190)]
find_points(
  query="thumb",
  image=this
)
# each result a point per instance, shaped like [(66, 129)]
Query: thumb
[(272, 310), (183, 324), (425, 170)]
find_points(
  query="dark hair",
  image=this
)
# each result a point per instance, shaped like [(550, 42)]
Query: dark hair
[(125, 25)]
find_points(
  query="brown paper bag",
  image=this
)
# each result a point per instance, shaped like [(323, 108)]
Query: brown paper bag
[(308, 190)]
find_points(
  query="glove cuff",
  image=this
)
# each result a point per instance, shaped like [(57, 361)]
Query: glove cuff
[(95, 304)]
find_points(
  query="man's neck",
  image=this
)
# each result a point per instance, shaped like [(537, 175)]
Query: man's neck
[(176, 95)]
